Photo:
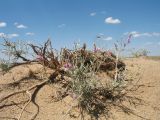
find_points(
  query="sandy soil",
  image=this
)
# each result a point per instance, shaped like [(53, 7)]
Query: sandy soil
[(147, 69)]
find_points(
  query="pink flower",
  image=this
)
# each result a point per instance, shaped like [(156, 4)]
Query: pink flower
[(97, 49), (129, 38), (40, 57), (67, 66)]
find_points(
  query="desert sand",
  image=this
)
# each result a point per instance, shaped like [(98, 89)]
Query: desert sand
[(148, 70)]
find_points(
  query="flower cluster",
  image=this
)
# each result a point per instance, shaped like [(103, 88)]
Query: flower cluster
[(67, 66), (120, 45), (128, 40), (40, 57), (96, 49)]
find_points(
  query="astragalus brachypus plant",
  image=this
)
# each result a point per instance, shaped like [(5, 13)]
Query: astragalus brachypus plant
[(77, 73), (96, 95)]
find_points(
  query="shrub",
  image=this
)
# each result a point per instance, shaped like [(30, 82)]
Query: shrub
[(76, 73), (140, 53), (4, 66)]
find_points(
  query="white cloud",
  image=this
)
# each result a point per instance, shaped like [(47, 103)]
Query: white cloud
[(158, 43), (21, 26), (29, 33), (61, 25), (93, 14), (107, 38), (101, 36), (12, 35), (3, 24), (146, 34), (111, 20), (156, 34), (8, 35), (135, 34), (2, 35)]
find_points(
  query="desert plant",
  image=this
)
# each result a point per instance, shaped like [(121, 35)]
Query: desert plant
[(140, 53), (76, 73), (15, 50), (4, 66), (120, 47)]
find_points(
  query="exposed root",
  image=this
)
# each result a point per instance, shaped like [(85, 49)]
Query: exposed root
[(13, 103), (30, 96), (33, 100), (22, 91)]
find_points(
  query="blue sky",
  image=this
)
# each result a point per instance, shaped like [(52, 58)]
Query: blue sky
[(69, 21)]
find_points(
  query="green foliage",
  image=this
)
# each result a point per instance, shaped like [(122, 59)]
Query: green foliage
[(139, 53), (14, 50), (4, 66), (83, 79), (92, 94)]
